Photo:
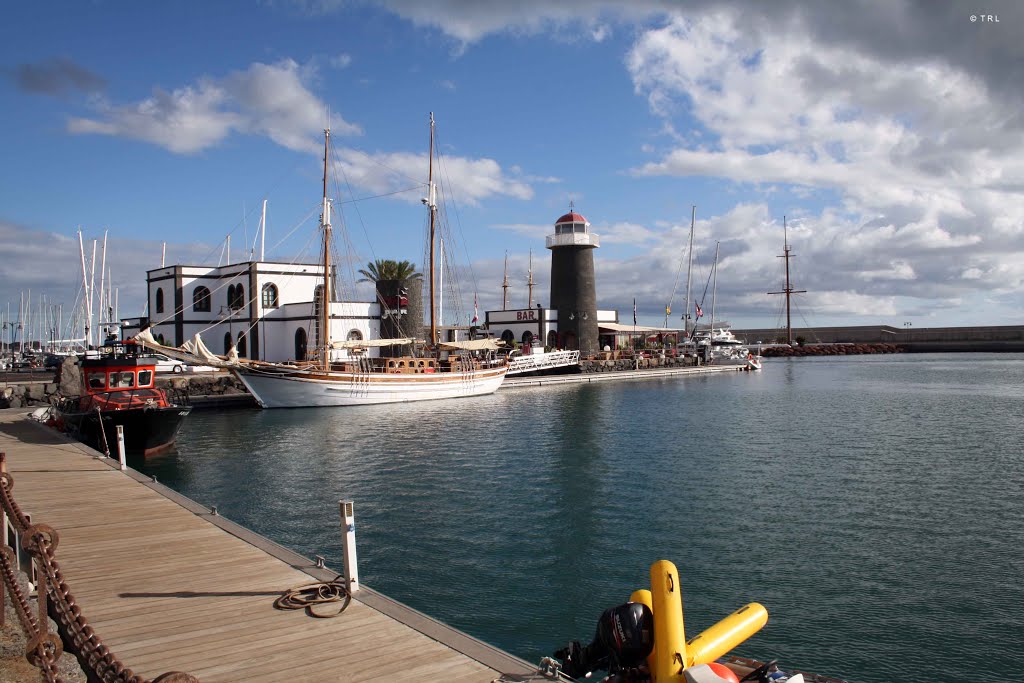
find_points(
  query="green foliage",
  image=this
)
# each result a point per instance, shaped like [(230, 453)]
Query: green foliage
[(800, 341), (388, 269)]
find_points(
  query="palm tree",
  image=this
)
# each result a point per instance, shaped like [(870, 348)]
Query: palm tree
[(388, 269)]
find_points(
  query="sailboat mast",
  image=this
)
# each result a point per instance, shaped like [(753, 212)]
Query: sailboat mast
[(529, 283), (788, 289), (432, 207), (785, 251), (504, 286), (689, 267), (714, 293), (325, 300)]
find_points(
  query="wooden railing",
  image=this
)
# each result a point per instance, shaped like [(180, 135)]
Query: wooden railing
[(53, 597)]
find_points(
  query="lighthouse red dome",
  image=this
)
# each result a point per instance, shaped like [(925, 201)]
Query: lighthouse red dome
[(571, 217)]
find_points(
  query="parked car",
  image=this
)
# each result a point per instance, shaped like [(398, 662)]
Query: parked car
[(165, 364)]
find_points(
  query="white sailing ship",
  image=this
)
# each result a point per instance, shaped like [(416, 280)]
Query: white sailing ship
[(446, 370), (344, 373)]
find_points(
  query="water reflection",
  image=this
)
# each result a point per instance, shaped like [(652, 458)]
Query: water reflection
[(818, 487)]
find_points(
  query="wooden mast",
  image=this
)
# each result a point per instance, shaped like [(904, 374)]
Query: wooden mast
[(432, 206), (325, 300), (788, 289), (529, 283), (689, 267), (504, 286)]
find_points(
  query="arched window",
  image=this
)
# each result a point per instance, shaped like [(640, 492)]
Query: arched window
[(231, 296), (300, 344), (160, 338), (159, 299), (201, 299), (527, 337), (508, 336), (270, 295), (355, 335), (227, 343), (241, 345), (552, 339), (238, 300)]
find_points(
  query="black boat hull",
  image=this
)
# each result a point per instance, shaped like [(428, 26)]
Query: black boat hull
[(147, 430)]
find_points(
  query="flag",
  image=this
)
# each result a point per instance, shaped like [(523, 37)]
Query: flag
[(697, 306), (634, 312), (668, 310), (476, 316)]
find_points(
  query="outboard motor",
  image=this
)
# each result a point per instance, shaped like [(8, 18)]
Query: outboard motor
[(624, 638)]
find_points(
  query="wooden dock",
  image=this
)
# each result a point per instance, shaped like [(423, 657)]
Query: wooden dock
[(168, 586)]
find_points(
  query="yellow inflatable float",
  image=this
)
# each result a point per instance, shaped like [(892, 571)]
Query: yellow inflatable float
[(644, 639)]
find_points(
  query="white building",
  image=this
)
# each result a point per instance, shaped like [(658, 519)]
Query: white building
[(269, 310), (526, 324)]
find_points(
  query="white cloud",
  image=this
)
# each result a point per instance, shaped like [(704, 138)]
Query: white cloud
[(341, 61), (927, 190), (624, 233), (265, 99), (468, 180)]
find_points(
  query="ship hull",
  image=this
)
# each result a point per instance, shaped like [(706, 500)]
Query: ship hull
[(147, 431), (313, 389)]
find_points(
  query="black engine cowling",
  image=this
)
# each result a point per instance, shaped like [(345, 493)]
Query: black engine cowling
[(624, 638)]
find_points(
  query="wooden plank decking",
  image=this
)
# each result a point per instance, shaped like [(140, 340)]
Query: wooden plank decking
[(170, 587)]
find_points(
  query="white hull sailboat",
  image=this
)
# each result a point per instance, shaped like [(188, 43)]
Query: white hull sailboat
[(448, 370), (305, 388)]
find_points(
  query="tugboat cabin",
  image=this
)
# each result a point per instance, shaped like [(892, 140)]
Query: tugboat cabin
[(121, 378)]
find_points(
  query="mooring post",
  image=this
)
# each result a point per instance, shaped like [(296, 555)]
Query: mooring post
[(120, 447), (348, 533)]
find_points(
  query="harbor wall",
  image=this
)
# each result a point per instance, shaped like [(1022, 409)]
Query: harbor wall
[(205, 390), (911, 339)]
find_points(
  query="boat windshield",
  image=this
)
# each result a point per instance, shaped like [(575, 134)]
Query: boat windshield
[(122, 380)]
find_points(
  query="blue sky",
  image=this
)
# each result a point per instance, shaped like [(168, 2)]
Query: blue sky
[(888, 133)]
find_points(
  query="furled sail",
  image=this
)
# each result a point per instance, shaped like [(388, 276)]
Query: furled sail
[(474, 345), (193, 352), (368, 343)]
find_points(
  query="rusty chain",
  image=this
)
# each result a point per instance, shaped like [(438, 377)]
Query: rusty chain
[(45, 648)]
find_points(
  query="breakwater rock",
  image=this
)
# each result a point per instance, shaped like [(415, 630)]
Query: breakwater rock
[(828, 350), (601, 363)]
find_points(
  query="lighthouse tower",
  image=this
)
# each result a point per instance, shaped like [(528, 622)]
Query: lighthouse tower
[(573, 293)]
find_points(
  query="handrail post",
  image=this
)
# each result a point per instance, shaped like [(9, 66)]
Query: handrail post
[(348, 531), (120, 447), (3, 510), (3, 541)]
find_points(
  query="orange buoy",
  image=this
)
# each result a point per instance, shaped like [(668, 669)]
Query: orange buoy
[(724, 672)]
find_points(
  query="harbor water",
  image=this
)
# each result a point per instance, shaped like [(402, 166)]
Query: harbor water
[(873, 504)]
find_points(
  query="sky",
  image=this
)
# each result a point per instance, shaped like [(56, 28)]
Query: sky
[(886, 135)]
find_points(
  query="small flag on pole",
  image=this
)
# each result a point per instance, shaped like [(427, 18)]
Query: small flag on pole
[(697, 306), (634, 311), (476, 316)]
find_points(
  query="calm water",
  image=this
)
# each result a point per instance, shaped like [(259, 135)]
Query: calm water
[(874, 505)]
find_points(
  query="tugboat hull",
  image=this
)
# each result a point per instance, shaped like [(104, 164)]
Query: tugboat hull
[(147, 431)]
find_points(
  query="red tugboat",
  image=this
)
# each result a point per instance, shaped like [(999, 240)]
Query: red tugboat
[(120, 388)]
